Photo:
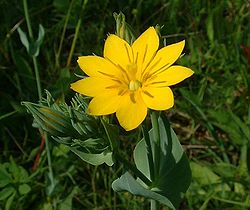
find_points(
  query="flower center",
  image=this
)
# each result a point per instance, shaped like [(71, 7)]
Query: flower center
[(134, 85)]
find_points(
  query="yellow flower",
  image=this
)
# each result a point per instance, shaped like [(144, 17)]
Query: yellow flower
[(129, 79)]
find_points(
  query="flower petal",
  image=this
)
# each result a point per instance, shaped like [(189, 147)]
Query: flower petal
[(104, 104), (158, 98), (165, 57), (173, 75), (118, 51), (96, 66), (93, 86), (145, 47), (132, 111)]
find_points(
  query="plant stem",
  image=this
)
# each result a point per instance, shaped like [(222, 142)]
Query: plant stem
[(156, 133), (108, 135), (26, 13), (38, 81), (155, 205), (76, 34), (39, 90), (149, 151), (63, 34), (51, 176), (122, 160)]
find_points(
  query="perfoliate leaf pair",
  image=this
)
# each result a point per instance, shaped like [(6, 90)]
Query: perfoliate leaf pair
[(32, 47)]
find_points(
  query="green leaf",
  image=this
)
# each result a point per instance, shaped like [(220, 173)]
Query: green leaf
[(203, 174), (94, 159), (5, 177), (174, 174), (54, 122), (210, 27), (18, 172), (6, 192), (10, 201), (67, 203), (23, 38), (206, 177), (47, 206), (61, 5), (41, 34), (127, 183), (24, 189), (35, 46), (32, 47)]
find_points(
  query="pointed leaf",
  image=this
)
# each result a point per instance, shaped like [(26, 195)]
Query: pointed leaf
[(41, 34), (23, 38), (94, 159), (6, 192), (174, 175), (67, 203), (35, 46), (127, 183)]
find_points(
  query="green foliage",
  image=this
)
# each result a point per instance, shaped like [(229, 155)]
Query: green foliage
[(71, 126), (32, 47), (14, 183), (211, 113), (174, 174)]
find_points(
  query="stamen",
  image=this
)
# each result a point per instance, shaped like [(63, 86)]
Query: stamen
[(133, 55), (113, 87), (136, 58), (150, 67), (126, 47), (123, 70), (151, 59), (145, 52), (148, 94), (116, 80), (159, 82), (162, 69), (122, 92), (106, 74), (132, 97)]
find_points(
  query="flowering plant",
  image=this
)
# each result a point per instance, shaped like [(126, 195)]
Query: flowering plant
[(132, 79)]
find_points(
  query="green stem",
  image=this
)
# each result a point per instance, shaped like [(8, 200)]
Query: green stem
[(149, 151), (156, 134), (76, 34), (122, 160), (154, 205), (38, 81), (63, 34), (108, 135), (39, 90), (26, 13), (49, 160)]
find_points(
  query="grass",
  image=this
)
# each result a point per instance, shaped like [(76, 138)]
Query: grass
[(211, 113)]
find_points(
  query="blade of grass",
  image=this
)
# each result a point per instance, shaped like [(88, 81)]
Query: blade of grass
[(58, 53), (79, 22), (209, 127), (7, 114)]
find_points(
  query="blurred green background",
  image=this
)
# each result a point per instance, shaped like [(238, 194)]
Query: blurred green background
[(211, 114)]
